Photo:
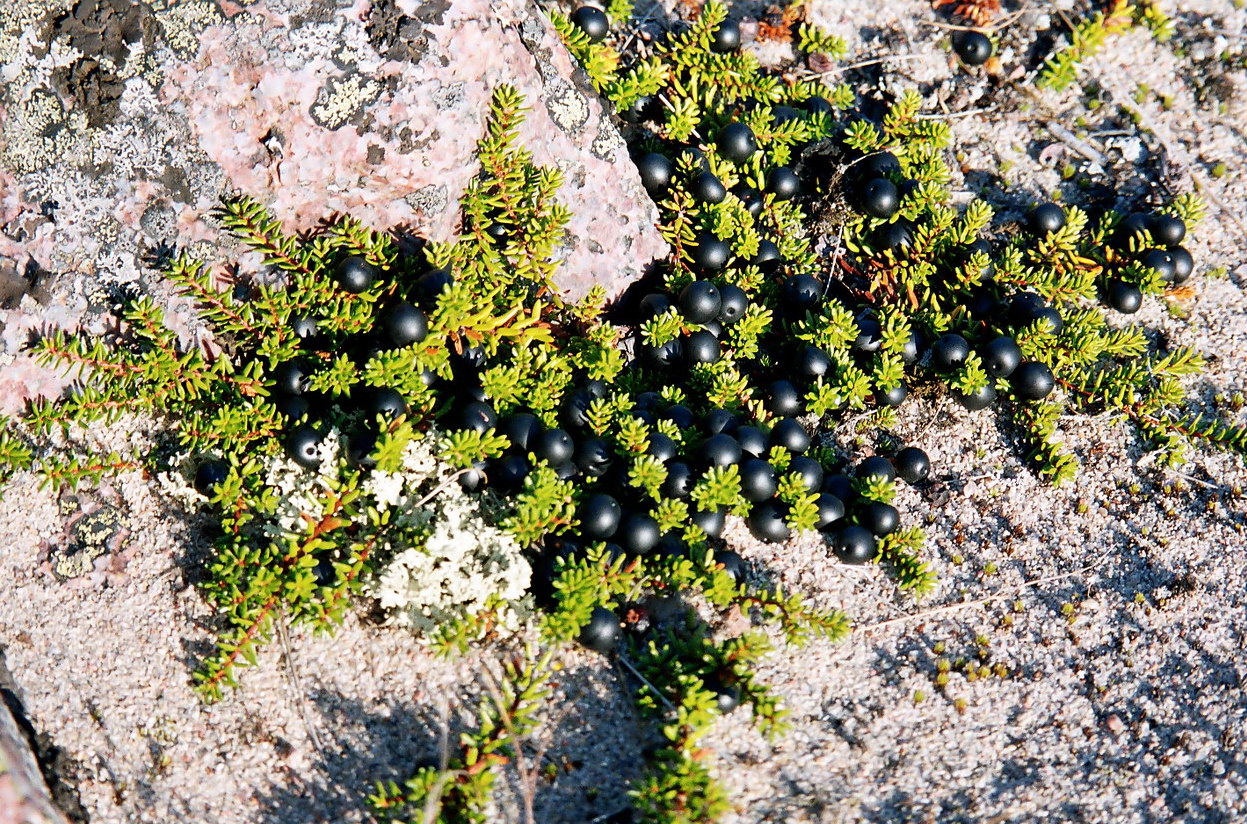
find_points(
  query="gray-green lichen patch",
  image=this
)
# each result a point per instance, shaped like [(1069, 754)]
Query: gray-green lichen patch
[(342, 98), (91, 535), (183, 23), (41, 133), (566, 106)]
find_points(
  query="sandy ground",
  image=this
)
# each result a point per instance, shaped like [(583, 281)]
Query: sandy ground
[(1118, 603)]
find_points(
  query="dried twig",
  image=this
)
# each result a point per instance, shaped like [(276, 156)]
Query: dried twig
[(658, 693)]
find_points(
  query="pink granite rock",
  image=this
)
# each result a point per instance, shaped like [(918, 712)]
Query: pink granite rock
[(122, 124)]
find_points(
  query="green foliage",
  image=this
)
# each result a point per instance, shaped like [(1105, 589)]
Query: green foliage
[(1088, 37)]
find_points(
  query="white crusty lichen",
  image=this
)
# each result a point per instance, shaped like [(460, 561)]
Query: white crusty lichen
[(441, 559)]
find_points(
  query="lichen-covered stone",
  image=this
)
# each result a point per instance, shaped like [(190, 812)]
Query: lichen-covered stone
[(122, 123)]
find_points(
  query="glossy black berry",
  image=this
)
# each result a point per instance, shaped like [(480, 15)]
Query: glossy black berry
[(912, 465), (592, 21), (766, 522), (430, 285), (355, 275), (1001, 356), (801, 292), (841, 486), (768, 258), (732, 563), (566, 471), (782, 399), (912, 347), (302, 446), (654, 304), (733, 303), (710, 521), (750, 198), (643, 108), (1123, 296), (554, 446), (869, 334), (521, 429), (680, 415), (508, 473), (818, 105), (949, 351), (386, 402), (574, 413), (758, 480), (707, 188), (1130, 225), (810, 470), (599, 516), (736, 142), (784, 114), (710, 253), (720, 420), (303, 326), (783, 183), (701, 347), (830, 510), (893, 395), (1183, 264), (473, 478), (405, 324), (293, 407), (665, 355), (360, 447), (876, 466), (720, 450), (292, 376), (854, 545), (1167, 230), (593, 457), (209, 474), (1050, 319), (876, 165), (791, 435), (603, 631), (726, 38), (1045, 218), (973, 47), (661, 447), (892, 236), (477, 416), (638, 533), (679, 482), (980, 399), (656, 172), (878, 198), (880, 518), (752, 440), (726, 697), (1162, 261), (813, 362), (1032, 381)]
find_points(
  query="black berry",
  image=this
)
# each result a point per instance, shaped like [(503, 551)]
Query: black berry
[(801, 292), (599, 516), (680, 415), (1123, 296), (878, 164), (1001, 356), (302, 326), (813, 362), (477, 416), (701, 347), (1049, 317), (1045, 218), (430, 285), (736, 142), (1131, 225), (661, 447), (656, 172), (979, 399), (830, 510), (665, 355), (355, 275), (602, 633), (1167, 230), (758, 480), (726, 38), (710, 521), (973, 47), (405, 325), (783, 399), (733, 302), (877, 466), (592, 21), (654, 304), (731, 562), (1162, 261), (891, 236), (554, 446), (767, 523), (209, 474), (1183, 264), (301, 446), (810, 470), (912, 465), (521, 429), (293, 407), (721, 420), (949, 351), (679, 481), (892, 396), (292, 376), (878, 198), (711, 253), (880, 518), (752, 441), (638, 534), (751, 198), (791, 435), (768, 258), (854, 545), (707, 188), (817, 105), (720, 450), (783, 183), (1032, 381), (387, 402)]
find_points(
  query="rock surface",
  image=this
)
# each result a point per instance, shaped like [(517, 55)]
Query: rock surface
[(123, 123)]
